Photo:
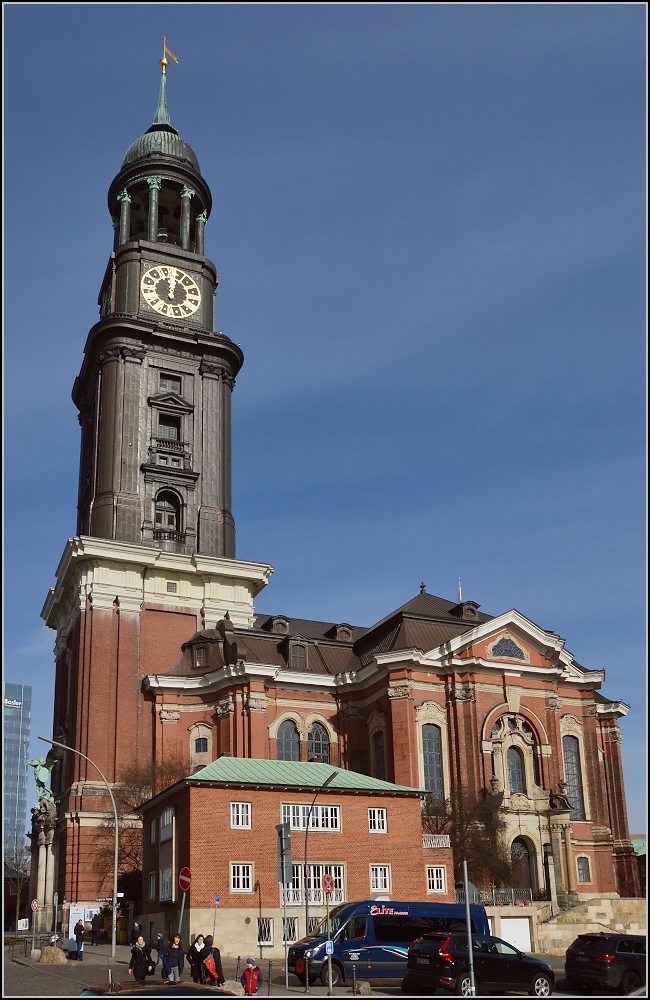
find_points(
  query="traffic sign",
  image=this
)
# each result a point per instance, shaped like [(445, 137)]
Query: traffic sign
[(34, 904), (184, 878), (217, 898), (56, 899), (329, 947), (327, 883)]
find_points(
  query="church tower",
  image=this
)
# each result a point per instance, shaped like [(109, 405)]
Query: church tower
[(153, 561)]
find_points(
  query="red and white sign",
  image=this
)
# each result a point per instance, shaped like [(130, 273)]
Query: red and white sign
[(34, 904), (327, 883), (184, 878)]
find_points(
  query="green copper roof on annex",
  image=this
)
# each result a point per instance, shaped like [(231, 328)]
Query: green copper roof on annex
[(299, 774)]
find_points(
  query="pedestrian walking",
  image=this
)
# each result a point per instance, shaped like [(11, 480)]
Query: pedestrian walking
[(94, 927), (173, 959), (141, 963), (211, 967), (252, 978), (136, 931), (160, 947), (79, 934), (195, 955)]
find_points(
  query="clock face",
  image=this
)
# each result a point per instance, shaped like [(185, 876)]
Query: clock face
[(170, 291)]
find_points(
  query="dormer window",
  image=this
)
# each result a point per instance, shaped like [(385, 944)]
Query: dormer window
[(201, 656), (170, 383), (280, 625), (343, 633), (298, 656)]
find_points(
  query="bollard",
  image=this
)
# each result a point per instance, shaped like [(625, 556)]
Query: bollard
[(270, 977), (237, 974), (306, 974), (354, 980)]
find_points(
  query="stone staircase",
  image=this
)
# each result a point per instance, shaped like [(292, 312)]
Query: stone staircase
[(618, 916)]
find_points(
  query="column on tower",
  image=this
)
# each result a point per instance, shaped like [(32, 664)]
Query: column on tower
[(200, 222), (154, 187), (186, 199), (216, 525), (125, 215)]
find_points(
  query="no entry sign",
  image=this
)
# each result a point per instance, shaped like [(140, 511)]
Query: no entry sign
[(34, 904), (184, 879)]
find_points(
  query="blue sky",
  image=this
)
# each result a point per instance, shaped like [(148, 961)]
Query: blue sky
[(429, 226)]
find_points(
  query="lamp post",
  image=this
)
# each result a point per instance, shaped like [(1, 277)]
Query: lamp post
[(328, 779), (62, 746)]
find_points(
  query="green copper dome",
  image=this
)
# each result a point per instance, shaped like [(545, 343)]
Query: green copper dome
[(161, 137)]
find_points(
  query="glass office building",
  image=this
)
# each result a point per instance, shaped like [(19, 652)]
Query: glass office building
[(17, 715)]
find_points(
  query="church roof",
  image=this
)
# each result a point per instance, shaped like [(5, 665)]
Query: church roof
[(292, 774), (161, 138)]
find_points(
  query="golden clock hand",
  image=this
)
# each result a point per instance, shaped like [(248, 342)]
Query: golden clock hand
[(171, 281)]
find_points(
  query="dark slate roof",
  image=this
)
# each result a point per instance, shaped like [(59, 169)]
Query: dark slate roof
[(307, 628)]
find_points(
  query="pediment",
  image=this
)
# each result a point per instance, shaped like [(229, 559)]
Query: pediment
[(170, 401)]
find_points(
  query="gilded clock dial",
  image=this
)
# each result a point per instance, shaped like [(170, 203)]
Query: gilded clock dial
[(170, 291)]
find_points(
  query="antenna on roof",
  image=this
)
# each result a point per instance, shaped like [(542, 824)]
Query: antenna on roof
[(460, 592), (423, 588)]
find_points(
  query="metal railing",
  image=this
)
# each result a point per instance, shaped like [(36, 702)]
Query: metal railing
[(496, 897), (168, 535), (436, 840), (169, 444), (295, 897)]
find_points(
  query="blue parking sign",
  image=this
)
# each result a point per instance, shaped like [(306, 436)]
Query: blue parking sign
[(329, 947), (217, 899)]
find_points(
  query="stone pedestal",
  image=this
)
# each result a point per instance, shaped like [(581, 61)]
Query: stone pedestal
[(43, 875)]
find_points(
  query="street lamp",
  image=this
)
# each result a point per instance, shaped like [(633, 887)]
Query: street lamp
[(115, 861), (328, 779)]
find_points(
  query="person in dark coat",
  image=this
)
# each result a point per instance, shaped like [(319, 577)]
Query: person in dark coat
[(160, 947), (136, 931), (141, 963), (94, 926), (195, 955), (212, 952), (79, 934), (173, 959)]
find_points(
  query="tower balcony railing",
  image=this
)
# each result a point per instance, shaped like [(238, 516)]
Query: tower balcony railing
[(169, 444), (436, 840), (168, 535)]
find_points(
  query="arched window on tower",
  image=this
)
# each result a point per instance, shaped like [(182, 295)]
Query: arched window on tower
[(288, 741), (516, 774), (432, 752), (573, 776), (167, 520), (318, 743)]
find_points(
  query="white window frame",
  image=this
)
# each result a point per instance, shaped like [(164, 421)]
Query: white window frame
[(240, 815), (327, 819), (377, 821), (289, 930), (380, 878), (436, 878), (166, 824), (166, 894), (152, 885), (241, 872)]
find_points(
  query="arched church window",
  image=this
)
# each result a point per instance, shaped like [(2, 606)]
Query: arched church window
[(298, 656), (288, 741), (573, 776), (508, 647), (522, 874), (168, 512), (432, 753), (516, 776), (318, 744), (379, 755)]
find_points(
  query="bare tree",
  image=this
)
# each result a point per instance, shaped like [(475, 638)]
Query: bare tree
[(475, 827), (136, 785), (18, 859)]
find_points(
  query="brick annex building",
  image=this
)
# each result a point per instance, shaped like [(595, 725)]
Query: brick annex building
[(159, 650)]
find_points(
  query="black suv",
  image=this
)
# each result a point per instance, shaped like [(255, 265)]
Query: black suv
[(616, 960), (441, 961)]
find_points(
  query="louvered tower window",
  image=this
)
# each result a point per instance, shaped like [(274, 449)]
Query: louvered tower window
[(432, 752)]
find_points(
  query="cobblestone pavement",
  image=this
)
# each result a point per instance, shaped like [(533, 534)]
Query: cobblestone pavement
[(25, 978)]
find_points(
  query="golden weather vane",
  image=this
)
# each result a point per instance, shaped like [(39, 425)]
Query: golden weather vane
[(164, 62)]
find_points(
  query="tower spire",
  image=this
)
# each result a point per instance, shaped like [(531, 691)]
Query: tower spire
[(161, 116)]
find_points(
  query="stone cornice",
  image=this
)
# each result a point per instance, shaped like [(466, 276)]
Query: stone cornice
[(612, 710)]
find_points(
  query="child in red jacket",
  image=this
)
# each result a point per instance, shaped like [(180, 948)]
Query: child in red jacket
[(252, 978)]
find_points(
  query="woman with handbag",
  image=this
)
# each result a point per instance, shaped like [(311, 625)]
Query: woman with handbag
[(141, 964)]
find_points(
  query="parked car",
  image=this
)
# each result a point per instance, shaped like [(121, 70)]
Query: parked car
[(441, 961), (616, 960), (374, 936)]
